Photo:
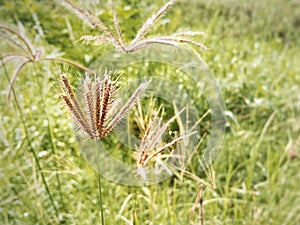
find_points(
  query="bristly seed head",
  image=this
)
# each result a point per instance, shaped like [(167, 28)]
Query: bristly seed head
[(97, 118), (141, 40), (152, 146)]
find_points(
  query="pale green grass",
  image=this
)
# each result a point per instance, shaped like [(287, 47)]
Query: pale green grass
[(255, 57)]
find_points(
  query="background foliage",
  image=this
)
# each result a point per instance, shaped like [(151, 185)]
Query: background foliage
[(255, 51)]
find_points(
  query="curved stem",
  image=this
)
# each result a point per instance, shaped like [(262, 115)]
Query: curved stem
[(68, 61), (14, 56), (14, 76)]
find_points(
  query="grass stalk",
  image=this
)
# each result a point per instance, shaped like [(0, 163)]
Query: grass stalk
[(201, 207), (100, 184)]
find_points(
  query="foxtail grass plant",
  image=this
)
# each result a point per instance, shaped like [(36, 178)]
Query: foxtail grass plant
[(23, 50), (99, 113), (141, 40)]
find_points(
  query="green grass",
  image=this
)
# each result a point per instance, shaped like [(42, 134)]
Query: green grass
[(255, 51)]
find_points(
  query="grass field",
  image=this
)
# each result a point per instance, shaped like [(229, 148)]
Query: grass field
[(254, 52)]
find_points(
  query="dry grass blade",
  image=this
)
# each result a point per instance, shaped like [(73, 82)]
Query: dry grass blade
[(198, 200), (152, 145), (161, 149), (160, 130)]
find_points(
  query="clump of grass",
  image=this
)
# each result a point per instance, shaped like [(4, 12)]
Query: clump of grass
[(98, 118), (153, 147), (22, 51)]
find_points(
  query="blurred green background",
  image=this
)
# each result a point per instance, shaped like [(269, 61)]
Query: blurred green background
[(254, 54)]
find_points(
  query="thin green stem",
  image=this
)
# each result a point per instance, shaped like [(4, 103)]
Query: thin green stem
[(99, 183), (30, 143)]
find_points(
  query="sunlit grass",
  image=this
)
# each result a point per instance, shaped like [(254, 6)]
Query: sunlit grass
[(254, 55)]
